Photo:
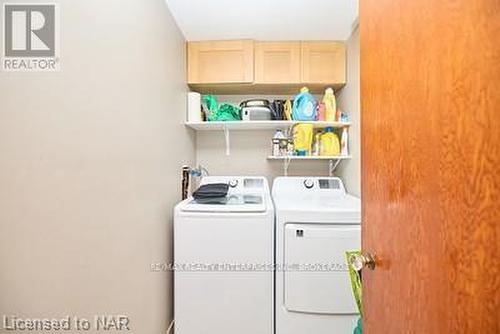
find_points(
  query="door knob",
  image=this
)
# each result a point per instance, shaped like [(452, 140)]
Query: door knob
[(360, 261)]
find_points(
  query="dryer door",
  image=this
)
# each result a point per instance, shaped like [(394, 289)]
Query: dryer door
[(316, 275)]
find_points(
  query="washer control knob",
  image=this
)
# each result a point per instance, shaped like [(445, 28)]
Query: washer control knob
[(233, 183), (308, 183)]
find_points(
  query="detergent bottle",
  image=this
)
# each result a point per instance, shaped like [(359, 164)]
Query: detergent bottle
[(304, 106), (287, 110), (330, 105), (317, 144), (344, 142), (330, 145), (302, 138)]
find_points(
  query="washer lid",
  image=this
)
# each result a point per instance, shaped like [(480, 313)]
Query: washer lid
[(230, 203)]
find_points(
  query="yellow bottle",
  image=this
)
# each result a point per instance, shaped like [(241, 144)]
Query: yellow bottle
[(302, 137), (330, 105), (330, 144), (288, 110)]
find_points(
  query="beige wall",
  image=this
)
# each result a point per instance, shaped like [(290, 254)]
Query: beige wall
[(89, 168), (349, 101), (249, 150)]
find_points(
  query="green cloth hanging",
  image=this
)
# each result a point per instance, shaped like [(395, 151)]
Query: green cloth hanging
[(357, 289), (224, 112)]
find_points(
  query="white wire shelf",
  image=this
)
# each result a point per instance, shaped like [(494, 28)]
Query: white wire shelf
[(309, 157), (259, 125)]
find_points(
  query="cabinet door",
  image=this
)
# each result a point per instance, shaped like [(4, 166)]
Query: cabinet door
[(220, 62), (277, 62), (323, 62)]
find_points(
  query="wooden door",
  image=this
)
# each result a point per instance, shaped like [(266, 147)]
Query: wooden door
[(220, 62), (323, 62), (430, 96), (277, 62)]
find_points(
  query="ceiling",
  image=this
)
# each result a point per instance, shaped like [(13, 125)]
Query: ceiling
[(265, 19)]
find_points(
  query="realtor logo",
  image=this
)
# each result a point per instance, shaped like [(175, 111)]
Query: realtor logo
[(30, 37)]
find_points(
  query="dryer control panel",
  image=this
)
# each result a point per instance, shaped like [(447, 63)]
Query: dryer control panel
[(309, 184), (329, 184)]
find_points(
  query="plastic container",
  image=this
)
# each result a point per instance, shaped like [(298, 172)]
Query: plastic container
[(194, 107), (302, 137), (344, 142), (321, 112), (330, 145), (276, 143), (290, 150), (304, 106), (330, 105), (317, 144)]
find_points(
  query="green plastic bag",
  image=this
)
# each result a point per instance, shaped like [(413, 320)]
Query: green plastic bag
[(357, 289), (224, 112)]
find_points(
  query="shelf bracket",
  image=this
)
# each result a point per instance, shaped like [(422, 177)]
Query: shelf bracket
[(226, 138), (286, 164), (332, 165)]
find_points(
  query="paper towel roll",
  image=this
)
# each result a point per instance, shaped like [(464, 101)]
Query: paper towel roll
[(194, 107)]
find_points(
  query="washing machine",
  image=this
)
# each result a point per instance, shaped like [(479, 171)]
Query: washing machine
[(223, 254), (316, 223)]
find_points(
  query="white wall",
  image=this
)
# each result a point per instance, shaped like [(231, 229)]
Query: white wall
[(89, 168), (349, 101), (260, 19)]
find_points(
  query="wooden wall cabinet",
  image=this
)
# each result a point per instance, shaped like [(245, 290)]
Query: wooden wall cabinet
[(323, 62), (277, 62), (220, 62), (248, 67)]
